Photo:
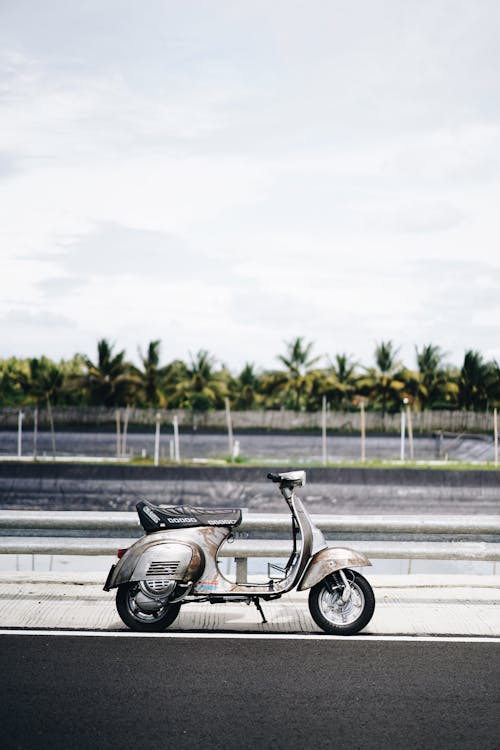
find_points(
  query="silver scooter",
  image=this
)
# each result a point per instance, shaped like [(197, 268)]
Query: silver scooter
[(175, 563)]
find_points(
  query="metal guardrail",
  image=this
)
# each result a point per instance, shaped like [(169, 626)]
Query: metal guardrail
[(464, 536), (243, 549), (119, 521)]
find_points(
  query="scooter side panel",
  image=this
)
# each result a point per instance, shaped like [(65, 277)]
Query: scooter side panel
[(212, 581), (172, 561), (328, 561), (158, 555)]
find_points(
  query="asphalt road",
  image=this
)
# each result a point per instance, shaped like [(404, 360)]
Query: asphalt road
[(106, 692)]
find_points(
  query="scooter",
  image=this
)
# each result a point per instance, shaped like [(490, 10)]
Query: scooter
[(175, 563)]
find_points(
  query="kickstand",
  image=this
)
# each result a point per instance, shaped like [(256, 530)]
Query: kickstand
[(257, 603)]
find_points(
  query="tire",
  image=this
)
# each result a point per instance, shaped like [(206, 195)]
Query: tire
[(135, 618), (338, 618)]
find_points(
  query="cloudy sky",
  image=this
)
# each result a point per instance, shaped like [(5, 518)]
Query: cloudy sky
[(230, 174)]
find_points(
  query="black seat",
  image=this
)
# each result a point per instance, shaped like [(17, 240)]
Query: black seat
[(154, 518)]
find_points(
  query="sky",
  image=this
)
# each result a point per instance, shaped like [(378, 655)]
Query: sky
[(229, 175)]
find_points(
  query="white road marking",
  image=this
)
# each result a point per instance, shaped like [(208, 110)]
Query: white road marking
[(256, 636)]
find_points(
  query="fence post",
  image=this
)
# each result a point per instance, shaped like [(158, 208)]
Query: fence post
[(362, 404), (323, 430), (229, 430), (495, 430), (403, 429), (20, 417), (175, 422), (35, 432), (410, 429), (157, 439), (118, 449), (124, 432)]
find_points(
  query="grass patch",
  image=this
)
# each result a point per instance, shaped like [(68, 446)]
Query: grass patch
[(304, 463)]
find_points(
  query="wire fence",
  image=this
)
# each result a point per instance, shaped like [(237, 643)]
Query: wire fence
[(195, 445), (270, 436), (423, 422)]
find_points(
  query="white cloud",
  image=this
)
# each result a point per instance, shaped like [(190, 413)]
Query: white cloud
[(236, 176)]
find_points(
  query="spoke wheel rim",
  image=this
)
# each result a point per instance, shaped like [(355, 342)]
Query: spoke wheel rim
[(338, 612), (137, 612)]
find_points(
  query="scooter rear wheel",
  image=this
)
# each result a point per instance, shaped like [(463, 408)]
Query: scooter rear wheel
[(336, 616), (137, 619)]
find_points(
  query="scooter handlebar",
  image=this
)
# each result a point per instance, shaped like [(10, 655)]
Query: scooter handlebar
[(274, 477)]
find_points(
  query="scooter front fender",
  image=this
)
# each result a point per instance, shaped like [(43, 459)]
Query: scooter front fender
[(157, 556), (329, 560)]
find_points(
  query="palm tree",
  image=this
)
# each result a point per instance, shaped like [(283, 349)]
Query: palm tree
[(340, 381), (42, 382), (11, 393), (495, 386), (297, 358), (109, 381), (245, 389), (298, 380), (430, 373), (432, 383), (384, 384), (201, 388), (272, 386), (385, 357), (72, 393), (174, 373), (478, 382), (151, 376)]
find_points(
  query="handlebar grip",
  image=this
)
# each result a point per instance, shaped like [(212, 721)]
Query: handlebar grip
[(274, 477)]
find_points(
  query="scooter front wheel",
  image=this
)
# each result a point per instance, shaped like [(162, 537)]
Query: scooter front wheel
[(136, 618), (341, 612)]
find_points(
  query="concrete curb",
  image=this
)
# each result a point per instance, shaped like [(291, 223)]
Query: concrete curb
[(405, 606), (377, 581)]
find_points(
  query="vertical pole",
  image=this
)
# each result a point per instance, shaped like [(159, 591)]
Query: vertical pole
[(363, 431), (440, 444), (403, 428), (35, 432), (157, 439), (241, 569), (323, 430), (20, 434), (495, 430), (118, 449), (124, 433), (229, 430), (410, 430), (236, 450), (176, 438), (51, 422)]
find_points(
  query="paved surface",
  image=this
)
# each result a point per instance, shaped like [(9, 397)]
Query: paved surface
[(406, 605), (95, 692)]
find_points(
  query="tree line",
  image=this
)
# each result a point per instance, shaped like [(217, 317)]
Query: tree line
[(301, 381)]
